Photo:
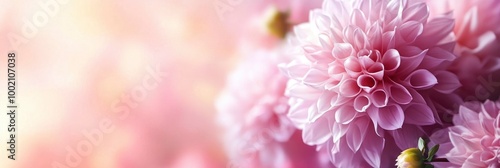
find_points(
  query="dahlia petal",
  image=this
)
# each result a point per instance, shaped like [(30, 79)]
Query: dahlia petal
[(360, 39), (345, 114), (379, 98), (416, 12), (437, 57), (319, 56), (361, 103), (334, 5), (326, 42), (421, 79), (398, 93), (410, 63), (324, 104), (372, 149), (313, 113), (470, 23), (375, 35), (358, 18), (349, 88), (486, 42), (487, 157), (439, 137), (395, 7), (338, 131), (322, 21), (365, 59), (435, 31), (299, 116), (301, 91), (466, 116), (311, 48), (315, 77), (349, 36), (373, 113), (473, 162), (317, 132), (447, 82), (417, 97), (342, 50), (335, 81), (389, 41), (340, 100), (490, 64), (486, 143), (391, 60), (335, 21), (449, 46), (490, 108), (343, 156), (297, 70), (368, 6), (378, 130), (335, 68), (410, 30), (367, 83), (391, 117), (301, 30), (460, 142), (407, 136), (392, 21), (376, 70), (419, 114), (356, 134), (497, 124), (336, 31), (376, 56)]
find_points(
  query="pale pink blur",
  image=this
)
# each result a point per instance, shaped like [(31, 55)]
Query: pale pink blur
[(78, 65)]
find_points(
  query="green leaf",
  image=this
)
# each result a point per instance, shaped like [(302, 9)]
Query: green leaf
[(421, 144), (432, 152)]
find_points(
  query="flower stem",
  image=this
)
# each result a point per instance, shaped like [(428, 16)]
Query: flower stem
[(440, 160)]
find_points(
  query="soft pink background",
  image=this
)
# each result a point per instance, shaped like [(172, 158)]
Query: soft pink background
[(92, 52)]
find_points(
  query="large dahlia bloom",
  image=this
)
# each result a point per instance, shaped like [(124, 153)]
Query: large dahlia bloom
[(366, 67), (473, 141), (478, 46), (252, 109)]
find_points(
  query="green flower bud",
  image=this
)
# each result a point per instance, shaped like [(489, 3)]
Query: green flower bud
[(410, 158)]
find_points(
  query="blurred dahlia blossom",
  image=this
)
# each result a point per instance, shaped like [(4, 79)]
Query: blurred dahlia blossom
[(252, 109), (362, 68), (473, 141), (478, 47)]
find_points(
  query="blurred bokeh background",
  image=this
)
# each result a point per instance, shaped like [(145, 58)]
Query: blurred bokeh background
[(82, 64)]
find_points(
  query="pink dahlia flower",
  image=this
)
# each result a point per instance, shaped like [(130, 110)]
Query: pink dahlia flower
[(253, 108), (478, 47), (365, 67), (474, 139)]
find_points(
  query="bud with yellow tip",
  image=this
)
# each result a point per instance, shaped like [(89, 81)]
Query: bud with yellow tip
[(410, 158)]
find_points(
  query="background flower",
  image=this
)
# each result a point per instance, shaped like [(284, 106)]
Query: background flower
[(478, 46), (253, 111), (473, 140), (366, 68)]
